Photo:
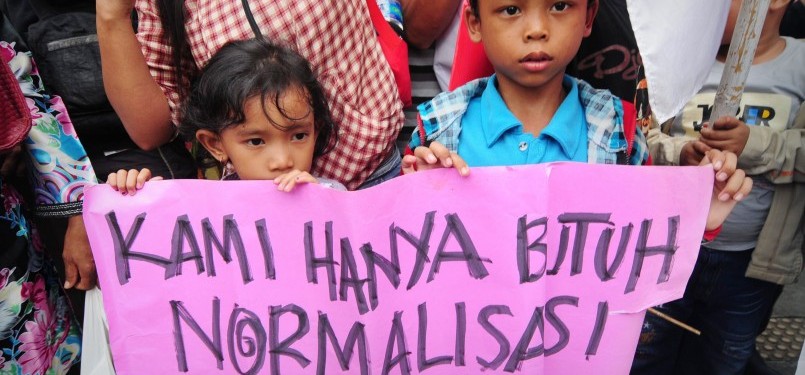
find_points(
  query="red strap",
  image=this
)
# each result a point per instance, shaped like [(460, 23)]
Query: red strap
[(395, 50), (470, 61), (381, 26), (629, 124), (420, 129)]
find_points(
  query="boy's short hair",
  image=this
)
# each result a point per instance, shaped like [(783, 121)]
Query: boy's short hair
[(474, 5)]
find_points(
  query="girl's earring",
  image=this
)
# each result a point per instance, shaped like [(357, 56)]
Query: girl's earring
[(229, 169)]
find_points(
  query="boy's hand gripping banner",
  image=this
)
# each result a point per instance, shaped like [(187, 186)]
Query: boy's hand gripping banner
[(543, 269)]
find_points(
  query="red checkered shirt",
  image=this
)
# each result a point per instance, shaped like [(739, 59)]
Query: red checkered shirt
[(338, 39)]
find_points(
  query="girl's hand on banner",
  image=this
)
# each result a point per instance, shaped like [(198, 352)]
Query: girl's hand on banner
[(286, 182), (128, 182)]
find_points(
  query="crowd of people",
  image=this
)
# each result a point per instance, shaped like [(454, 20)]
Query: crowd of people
[(301, 92)]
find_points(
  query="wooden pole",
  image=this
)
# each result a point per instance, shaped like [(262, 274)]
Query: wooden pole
[(739, 58), (675, 322)]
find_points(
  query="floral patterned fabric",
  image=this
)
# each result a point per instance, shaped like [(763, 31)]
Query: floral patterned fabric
[(59, 162), (39, 334)]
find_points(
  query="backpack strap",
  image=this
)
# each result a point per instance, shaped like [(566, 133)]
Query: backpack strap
[(250, 17), (629, 129)]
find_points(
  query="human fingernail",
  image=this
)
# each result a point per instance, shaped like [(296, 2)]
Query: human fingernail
[(738, 197), (430, 159), (465, 171), (724, 197), (722, 176), (448, 162), (717, 164)]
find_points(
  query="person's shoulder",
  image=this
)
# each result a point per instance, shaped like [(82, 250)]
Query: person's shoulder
[(794, 47), (594, 99), (455, 100)]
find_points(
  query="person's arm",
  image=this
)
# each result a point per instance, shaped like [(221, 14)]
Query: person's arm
[(665, 149), (761, 150), (729, 187), (136, 97), (426, 20), (61, 177), (79, 264)]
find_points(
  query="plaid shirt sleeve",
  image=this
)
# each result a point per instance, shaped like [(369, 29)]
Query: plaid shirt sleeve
[(640, 155), (157, 53)]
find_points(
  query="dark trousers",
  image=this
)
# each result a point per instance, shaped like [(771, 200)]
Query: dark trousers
[(730, 309)]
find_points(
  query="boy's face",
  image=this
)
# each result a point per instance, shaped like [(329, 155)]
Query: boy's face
[(531, 42)]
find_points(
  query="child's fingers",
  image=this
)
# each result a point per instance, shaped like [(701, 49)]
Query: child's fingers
[(726, 123), (111, 180), (426, 155), (282, 180), (136, 180), (142, 177), (715, 158), (131, 181), (409, 164), (700, 147), (306, 178), (442, 153), (288, 181), (736, 187), (692, 153), (459, 164), (157, 178), (288, 184), (746, 188), (728, 167), (122, 176)]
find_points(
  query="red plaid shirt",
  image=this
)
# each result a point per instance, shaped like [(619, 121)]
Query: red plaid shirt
[(338, 39)]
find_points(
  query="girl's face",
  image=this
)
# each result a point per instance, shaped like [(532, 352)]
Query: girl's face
[(262, 150)]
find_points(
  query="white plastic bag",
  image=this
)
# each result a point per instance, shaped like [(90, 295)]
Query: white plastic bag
[(96, 356)]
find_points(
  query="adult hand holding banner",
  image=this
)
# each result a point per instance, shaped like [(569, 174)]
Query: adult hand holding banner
[(541, 269)]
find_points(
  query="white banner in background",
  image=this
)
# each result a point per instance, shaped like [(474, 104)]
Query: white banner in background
[(678, 41)]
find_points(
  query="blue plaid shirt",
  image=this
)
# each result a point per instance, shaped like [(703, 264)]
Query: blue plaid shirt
[(441, 122)]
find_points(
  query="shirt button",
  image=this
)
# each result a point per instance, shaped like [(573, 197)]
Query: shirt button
[(523, 146)]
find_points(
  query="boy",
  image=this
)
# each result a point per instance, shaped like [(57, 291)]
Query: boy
[(529, 111), (739, 275)]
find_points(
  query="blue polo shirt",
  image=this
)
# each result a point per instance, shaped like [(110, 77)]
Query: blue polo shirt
[(491, 135)]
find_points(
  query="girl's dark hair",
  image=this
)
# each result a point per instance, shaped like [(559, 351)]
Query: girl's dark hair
[(172, 17), (247, 69)]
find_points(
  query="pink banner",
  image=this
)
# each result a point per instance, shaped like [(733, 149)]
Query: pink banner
[(540, 269)]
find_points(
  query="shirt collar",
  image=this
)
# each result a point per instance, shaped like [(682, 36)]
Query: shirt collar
[(564, 127), (568, 127), (497, 118)]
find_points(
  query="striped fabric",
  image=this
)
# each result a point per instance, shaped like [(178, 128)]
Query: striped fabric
[(338, 39), (424, 87)]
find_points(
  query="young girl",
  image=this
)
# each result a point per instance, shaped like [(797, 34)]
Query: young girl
[(258, 109)]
